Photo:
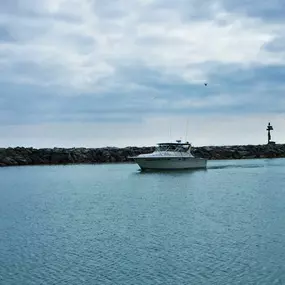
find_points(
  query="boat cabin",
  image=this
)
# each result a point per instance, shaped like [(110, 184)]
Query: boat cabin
[(174, 147)]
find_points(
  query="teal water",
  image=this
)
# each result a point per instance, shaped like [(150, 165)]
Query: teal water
[(111, 224)]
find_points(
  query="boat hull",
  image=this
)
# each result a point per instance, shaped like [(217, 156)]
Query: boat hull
[(170, 163)]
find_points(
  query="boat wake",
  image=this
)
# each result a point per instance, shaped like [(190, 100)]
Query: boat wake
[(253, 164), (234, 166)]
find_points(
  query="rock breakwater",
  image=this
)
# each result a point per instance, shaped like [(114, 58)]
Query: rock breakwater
[(48, 156)]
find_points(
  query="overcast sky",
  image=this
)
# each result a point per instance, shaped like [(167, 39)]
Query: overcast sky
[(132, 72)]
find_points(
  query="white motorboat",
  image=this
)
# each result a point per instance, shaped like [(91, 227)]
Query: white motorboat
[(170, 156)]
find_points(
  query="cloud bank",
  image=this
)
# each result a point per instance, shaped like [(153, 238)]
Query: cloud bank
[(66, 64)]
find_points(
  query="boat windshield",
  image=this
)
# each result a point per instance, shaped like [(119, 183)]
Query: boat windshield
[(173, 147)]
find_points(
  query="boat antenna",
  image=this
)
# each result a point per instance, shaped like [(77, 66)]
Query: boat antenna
[(186, 129)]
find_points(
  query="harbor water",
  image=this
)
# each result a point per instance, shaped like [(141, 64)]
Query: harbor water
[(112, 224)]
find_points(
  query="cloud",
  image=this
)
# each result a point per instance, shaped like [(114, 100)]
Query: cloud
[(110, 61), (270, 11), (90, 48)]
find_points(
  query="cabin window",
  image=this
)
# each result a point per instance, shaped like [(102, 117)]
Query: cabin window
[(180, 148)]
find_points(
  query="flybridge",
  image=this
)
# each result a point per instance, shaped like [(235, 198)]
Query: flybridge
[(173, 147), (178, 142), (174, 143)]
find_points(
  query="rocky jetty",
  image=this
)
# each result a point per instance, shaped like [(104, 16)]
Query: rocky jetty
[(48, 156)]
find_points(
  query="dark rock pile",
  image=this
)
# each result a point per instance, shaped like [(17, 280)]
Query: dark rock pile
[(240, 151), (31, 156)]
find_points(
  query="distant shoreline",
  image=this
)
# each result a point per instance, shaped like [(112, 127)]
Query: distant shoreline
[(61, 156)]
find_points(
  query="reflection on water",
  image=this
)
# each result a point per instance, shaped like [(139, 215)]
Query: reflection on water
[(170, 171)]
